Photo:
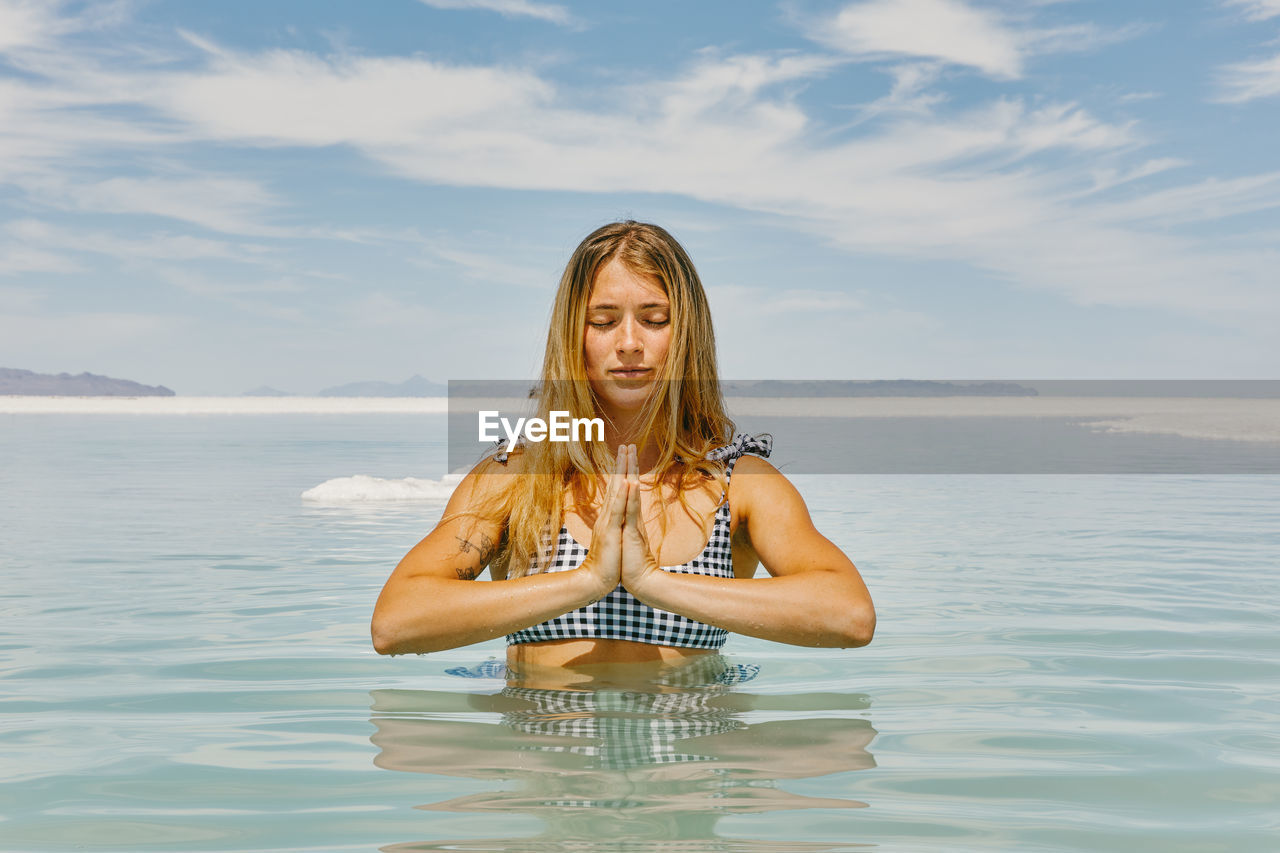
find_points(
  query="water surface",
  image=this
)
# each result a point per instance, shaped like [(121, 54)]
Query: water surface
[(1062, 663)]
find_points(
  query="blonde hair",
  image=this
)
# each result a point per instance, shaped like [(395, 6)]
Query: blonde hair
[(684, 416)]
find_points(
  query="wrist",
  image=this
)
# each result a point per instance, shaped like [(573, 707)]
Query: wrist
[(648, 587), (591, 585)]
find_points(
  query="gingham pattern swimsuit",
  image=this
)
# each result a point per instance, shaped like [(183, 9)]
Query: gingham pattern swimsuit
[(620, 615)]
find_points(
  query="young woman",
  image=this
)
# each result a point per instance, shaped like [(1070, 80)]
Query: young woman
[(643, 547)]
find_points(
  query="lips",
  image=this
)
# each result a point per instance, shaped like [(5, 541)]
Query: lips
[(631, 372)]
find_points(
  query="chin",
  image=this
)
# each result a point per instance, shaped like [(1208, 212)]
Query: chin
[(623, 393)]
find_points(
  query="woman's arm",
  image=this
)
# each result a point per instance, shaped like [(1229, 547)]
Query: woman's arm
[(432, 602), (815, 596)]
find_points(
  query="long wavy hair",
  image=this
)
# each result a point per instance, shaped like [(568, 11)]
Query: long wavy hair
[(684, 414)]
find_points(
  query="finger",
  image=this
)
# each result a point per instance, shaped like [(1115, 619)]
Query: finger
[(633, 478), (633, 505), (611, 481), (635, 520), (617, 499)]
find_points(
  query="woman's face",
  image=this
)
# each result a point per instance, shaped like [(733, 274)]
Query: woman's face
[(627, 335)]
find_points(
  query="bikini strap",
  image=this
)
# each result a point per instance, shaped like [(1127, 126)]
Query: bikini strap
[(760, 444)]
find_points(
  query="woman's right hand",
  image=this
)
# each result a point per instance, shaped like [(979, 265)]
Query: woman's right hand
[(604, 558)]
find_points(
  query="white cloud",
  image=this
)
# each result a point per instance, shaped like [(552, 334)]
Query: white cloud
[(1247, 81), (772, 301), (1211, 199), (1133, 97), (552, 12), (488, 267), (1256, 10), (162, 246), (296, 98), (908, 94), (1107, 177), (20, 259), (947, 30), (719, 82), (229, 205), (954, 32), (28, 23)]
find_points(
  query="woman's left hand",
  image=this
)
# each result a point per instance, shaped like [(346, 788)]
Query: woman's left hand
[(638, 563)]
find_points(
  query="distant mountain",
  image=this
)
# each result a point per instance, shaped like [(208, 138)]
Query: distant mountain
[(874, 388), (415, 387), (28, 384), (266, 391)]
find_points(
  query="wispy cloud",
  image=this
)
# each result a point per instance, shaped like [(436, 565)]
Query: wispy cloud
[(298, 98), (772, 301), (1241, 82), (1208, 200), (909, 93), (1248, 81), (219, 203), (946, 30), (552, 12), (485, 266), (1256, 10), (27, 23), (37, 234), (24, 259), (954, 32)]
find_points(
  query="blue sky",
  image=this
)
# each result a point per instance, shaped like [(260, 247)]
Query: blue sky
[(216, 196)]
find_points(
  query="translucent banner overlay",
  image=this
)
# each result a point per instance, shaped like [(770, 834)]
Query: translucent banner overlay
[(945, 426)]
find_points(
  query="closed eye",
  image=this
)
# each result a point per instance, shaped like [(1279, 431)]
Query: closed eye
[(604, 324)]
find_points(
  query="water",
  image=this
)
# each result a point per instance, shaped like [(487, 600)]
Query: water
[(1062, 663)]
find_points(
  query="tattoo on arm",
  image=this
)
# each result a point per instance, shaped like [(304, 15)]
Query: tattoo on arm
[(466, 574), (487, 548)]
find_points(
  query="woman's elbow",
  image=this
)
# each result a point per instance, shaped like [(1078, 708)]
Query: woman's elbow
[(387, 635), (859, 626), (383, 641), (403, 637)]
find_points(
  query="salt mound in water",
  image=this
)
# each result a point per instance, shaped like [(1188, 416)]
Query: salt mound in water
[(365, 489)]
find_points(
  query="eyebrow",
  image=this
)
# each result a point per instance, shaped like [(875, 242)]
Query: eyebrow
[(607, 306)]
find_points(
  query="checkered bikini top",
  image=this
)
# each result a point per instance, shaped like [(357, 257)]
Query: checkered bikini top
[(620, 615)]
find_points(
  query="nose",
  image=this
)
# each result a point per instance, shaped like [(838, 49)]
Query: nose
[(629, 336)]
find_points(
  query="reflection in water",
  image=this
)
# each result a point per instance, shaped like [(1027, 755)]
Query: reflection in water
[(624, 759)]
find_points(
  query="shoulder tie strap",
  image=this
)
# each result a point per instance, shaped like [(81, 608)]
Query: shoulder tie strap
[(760, 444)]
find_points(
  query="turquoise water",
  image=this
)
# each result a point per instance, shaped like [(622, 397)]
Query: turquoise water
[(1062, 663)]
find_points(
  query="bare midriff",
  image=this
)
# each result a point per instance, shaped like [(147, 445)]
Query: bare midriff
[(577, 652)]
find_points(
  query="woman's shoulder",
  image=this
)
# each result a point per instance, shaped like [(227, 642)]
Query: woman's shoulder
[(489, 478)]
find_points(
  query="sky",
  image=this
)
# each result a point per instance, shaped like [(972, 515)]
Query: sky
[(300, 193)]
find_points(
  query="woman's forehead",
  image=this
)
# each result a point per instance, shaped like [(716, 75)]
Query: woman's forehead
[(617, 284)]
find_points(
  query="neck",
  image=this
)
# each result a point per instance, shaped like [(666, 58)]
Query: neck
[(624, 428)]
